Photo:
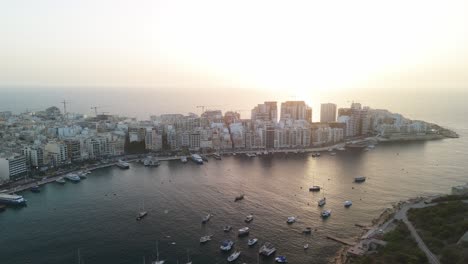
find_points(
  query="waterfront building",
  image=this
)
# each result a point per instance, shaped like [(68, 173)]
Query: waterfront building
[(56, 153), (12, 167), (327, 112), (268, 111), (295, 110)]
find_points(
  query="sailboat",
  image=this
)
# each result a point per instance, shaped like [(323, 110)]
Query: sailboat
[(314, 188), (142, 213), (188, 258), (157, 261)]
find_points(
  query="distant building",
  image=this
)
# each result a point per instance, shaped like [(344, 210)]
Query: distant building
[(12, 167), (295, 110), (267, 111), (327, 113)]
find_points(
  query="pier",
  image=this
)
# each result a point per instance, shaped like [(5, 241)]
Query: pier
[(344, 241)]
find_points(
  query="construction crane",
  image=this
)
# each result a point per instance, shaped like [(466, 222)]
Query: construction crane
[(64, 102), (95, 109), (204, 106)]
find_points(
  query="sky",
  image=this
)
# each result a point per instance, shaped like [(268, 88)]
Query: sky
[(295, 49)]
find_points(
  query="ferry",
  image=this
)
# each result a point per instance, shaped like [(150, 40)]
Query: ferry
[(72, 177), (123, 165), (267, 249), (12, 199), (360, 179), (244, 231), (197, 159)]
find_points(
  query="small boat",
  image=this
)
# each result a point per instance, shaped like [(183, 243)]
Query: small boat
[(252, 241), (123, 165), (267, 249), (348, 203), (157, 261), (371, 147), (341, 149), (326, 213), (204, 158), (248, 218), (307, 230), (233, 256), (243, 231), (60, 180), (281, 259), (239, 197), (227, 228), (151, 161), (306, 246), (322, 202), (141, 215), (206, 218), (183, 159), (197, 159), (360, 179), (314, 188), (35, 189), (251, 155), (188, 258), (291, 219), (217, 156), (205, 239), (226, 245), (332, 153), (82, 175), (72, 177)]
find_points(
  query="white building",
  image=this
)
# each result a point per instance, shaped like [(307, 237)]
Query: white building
[(12, 167), (327, 113)]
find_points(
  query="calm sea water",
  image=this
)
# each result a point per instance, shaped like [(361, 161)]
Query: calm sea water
[(97, 215)]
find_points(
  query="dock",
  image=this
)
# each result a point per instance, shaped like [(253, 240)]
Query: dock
[(344, 241)]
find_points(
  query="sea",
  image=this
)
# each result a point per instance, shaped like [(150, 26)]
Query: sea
[(94, 221)]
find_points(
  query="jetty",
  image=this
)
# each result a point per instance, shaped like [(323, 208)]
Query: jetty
[(344, 241)]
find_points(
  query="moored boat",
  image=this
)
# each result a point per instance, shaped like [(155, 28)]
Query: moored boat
[(122, 164), (183, 159), (72, 177), (226, 245), (281, 259), (360, 179), (267, 249), (35, 189), (60, 180), (348, 203), (248, 218), (234, 256), (197, 159), (12, 199), (205, 239), (252, 242), (206, 218), (243, 231), (326, 213)]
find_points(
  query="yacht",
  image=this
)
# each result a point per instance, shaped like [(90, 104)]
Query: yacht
[(72, 177), (151, 161), (206, 218), (35, 189), (226, 245), (183, 159), (252, 241), (248, 218), (314, 188), (227, 228), (360, 179), (244, 231), (12, 199), (326, 213), (291, 219), (123, 165), (267, 249), (60, 180), (205, 239), (348, 203), (322, 202), (197, 159), (233, 256), (239, 197), (281, 259)]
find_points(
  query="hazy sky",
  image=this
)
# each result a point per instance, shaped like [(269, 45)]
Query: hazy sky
[(292, 47)]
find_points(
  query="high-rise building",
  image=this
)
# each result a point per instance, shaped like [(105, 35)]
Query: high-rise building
[(12, 167), (295, 110), (267, 111), (327, 113)]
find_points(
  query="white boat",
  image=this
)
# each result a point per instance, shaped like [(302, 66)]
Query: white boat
[(252, 242), (322, 202), (60, 180), (326, 213), (348, 203), (216, 156), (12, 199), (188, 258), (248, 218), (226, 245), (307, 230), (206, 218), (281, 259), (234, 256), (151, 161), (227, 228), (332, 153), (244, 231), (306, 246), (291, 219), (205, 239), (197, 159), (141, 214), (122, 164), (360, 179), (251, 155), (157, 261), (314, 188), (183, 159), (72, 177), (341, 149), (267, 249), (371, 147)]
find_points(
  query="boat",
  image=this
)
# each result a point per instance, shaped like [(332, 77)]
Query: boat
[(267, 249), (243, 231), (281, 259), (72, 177), (60, 180), (341, 149), (322, 202), (291, 219), (251, 155), (252, 242), (226, 245), (205, 239), (122, 164), (142, 213), (248, 218), (306, 246), (188, 258), (239, 197), (216, 156), (157, 261), (360, 179), (206, 218), (234, 256), (371, 147), (307, 230), (35, 189), (183, 159), (12, 199), (314, 188), (326, 213), (227, 228), (197, 159), (82, 175), (151, 161), (348, 203), (332, 153)]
